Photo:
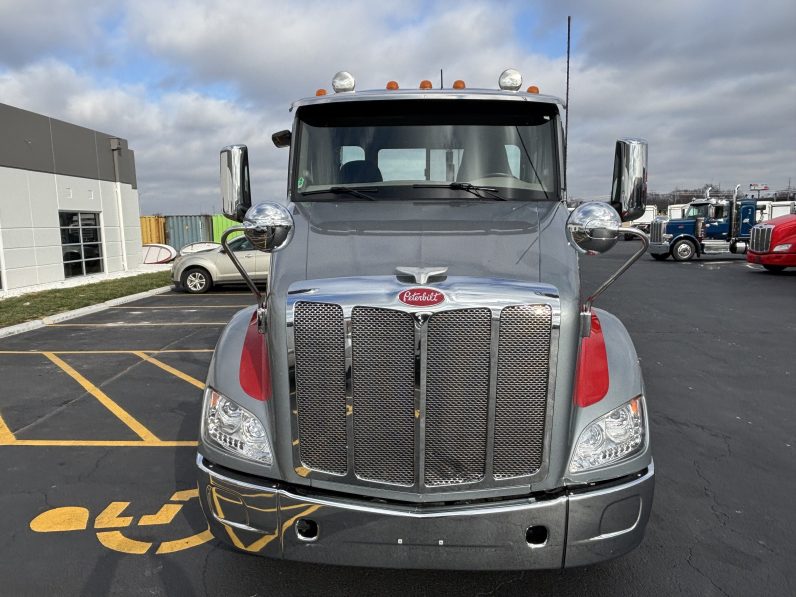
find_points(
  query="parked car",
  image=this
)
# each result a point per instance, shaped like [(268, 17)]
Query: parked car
[(198, 272)]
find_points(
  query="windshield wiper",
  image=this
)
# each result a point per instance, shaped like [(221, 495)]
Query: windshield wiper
[(348, 190), (477, 190)]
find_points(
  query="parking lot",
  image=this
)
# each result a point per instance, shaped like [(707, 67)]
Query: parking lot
[(99, 418)]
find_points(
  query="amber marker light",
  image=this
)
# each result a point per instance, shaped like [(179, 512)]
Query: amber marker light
[(392, 85), (320, 92), (458, 84), (533, 89), (425, 84)]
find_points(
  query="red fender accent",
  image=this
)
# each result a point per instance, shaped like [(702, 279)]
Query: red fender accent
[(591, 378), (255, 370)]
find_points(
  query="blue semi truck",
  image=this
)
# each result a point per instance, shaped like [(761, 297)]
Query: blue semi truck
[(710, 225)]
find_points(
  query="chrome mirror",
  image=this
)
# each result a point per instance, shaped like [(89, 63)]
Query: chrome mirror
[(236, 197), (629, 190), (268, 226), (593, 227)]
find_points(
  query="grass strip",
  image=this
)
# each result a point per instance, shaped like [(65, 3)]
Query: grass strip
[(36, 305)]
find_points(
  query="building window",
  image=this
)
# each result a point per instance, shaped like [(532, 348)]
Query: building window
[(81, 243)]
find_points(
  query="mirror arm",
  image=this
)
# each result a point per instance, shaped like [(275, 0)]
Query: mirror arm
[(231, 254), (585, 313)]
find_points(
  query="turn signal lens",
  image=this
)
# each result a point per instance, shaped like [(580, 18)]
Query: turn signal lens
[(458, 84), (591, 378), (425, 84), (533, 89), (320, 92), (392, 85)]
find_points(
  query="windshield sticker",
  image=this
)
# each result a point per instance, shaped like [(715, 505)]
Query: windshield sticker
[(300, 182)]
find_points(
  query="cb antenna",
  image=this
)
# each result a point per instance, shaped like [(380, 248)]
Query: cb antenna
[(566, 122)]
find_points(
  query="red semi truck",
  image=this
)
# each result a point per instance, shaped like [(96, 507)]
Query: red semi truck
[(773, 244)]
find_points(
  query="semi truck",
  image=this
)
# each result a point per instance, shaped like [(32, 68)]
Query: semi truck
[(421, 385), (773, 244), (709, 225)]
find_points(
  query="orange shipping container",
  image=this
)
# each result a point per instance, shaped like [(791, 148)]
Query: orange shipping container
[(153, 230)]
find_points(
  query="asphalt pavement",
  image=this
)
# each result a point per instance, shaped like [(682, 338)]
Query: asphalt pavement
[(99, 417)]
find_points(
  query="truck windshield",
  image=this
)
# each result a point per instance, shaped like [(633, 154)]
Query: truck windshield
[(426, 149), (697, 211)]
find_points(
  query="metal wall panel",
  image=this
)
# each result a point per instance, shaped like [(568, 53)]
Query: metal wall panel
[(184, 230), (153, 230), (220, 224)]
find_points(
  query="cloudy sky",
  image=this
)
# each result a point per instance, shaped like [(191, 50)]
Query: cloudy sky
[(710, 84)]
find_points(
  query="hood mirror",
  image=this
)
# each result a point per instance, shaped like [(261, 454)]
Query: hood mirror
[(593, 227), (629, 190), (268, 226), (236, 196)]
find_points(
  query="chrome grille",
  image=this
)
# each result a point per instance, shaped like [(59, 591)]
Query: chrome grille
[(656, 231), (321, 386), (760, 240), (457, 396), (521, 397), (383, 380)]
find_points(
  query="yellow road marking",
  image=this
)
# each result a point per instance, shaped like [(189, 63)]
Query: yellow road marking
[(68, 518), (185, 495), (35, 352), (302, 471), (110, 516), (102, 443), (6, 436), (127, 325), (187, 543), (165, 515), (125, 417), (133, 308), (117, 542), (170, 369)]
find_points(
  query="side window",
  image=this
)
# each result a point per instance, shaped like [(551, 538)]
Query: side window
[(351, 153), (718, 212), (402, 164), (241, 244)]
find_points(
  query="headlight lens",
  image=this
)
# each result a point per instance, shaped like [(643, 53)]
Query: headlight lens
[(611, 438), (666, 236), (234, 429), (782, 248)]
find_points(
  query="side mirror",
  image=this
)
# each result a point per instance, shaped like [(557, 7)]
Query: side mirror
[(629, 190), (282, 138), (236, 197), (593, 227), (268, 226)]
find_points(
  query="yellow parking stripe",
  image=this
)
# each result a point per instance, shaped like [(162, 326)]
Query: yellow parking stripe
[(127, 325), (117, 410), (170, 369), (133, 308), (102, 443), (187, 543), (166, 350), (6, 436)]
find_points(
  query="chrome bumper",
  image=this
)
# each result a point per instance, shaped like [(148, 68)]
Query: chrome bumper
[(582, 527), (659, 248)]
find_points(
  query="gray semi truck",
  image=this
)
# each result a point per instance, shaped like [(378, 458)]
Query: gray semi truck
[(421, 384)]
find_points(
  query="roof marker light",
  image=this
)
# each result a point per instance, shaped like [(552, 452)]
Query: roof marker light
[(392, 85), (343, 81), (425, 84), (533, 89), (458, 84), (320, 92), (510, 80)]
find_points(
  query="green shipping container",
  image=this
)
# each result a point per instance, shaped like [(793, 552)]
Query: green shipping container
[(220, 224)]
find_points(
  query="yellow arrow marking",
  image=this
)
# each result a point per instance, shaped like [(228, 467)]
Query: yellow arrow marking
[(68, 518), (110, 518), (117, 542), (168, 368), (187, 543), (165, 515)]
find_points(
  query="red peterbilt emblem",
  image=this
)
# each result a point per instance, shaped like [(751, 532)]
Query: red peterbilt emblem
[(421, 297)]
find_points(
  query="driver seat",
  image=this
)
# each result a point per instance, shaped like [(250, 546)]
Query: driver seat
[(359, 171)]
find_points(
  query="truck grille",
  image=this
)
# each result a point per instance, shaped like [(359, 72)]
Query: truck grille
[(760, 240), (656, 231), (425, 410)]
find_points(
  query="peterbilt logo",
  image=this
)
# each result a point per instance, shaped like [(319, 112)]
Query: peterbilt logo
[(421, 297)]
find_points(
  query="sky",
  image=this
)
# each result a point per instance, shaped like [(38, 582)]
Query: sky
[(710, 84)]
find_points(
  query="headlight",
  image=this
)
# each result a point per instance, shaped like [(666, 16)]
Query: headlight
[(666, 236), (234, 429), (611, 438), (782, 248)]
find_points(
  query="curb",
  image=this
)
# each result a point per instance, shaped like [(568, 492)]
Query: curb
[(58, 317)]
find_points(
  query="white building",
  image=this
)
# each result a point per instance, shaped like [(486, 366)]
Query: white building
[(68, 202)]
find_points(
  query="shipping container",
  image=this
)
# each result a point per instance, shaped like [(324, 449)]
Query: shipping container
[(153, 230), (184, 230), (220, 224)]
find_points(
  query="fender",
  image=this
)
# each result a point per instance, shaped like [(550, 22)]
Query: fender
[(689, 237), (625, 382)]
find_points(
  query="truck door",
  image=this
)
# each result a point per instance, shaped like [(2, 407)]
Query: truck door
[(747, 218), (717, 226)]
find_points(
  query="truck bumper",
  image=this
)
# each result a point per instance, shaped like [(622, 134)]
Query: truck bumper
[(575, 528), (783, 259), (659, 248)]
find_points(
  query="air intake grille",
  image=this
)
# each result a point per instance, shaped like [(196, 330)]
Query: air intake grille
[(760, 240), (656, 231)]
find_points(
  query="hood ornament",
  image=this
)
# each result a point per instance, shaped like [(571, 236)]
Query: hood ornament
[(421, 274)]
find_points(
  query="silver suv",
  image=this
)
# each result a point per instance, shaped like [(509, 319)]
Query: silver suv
[(198, 272)]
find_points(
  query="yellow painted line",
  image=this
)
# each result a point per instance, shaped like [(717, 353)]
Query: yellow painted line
[(128, 325), (102, 443), (117, 542), (125, 417), (67, 518), (165, 515), (6, 436), (175, 372), (187, 543), (111, 517), (185, 495), (184, 307), (168, 350)]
